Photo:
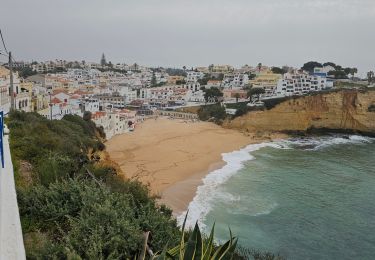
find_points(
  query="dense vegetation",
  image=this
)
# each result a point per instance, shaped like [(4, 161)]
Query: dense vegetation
[(339, 72), (73, 205), (175, 72), (242, 108), (278, 70), (25, 72), (214, 112), (213, 94), (350, 85)]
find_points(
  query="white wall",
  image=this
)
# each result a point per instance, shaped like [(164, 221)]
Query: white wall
[(11, 240)]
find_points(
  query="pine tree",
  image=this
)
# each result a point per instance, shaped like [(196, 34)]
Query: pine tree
[(153, 80)]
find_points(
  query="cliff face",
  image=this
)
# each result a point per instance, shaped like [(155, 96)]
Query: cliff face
[(347, 110)]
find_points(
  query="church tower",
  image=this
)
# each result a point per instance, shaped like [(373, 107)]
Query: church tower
[(103, 61)]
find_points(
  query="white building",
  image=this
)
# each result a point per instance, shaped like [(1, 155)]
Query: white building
[(324, 69), (145, 93), (59, 110), (114, 123), (196, 96), (111, 101), (235, 80), (193, 76), (91, 104), (22, 97), (300, 83), (193, 86), (126, 91), (4, 96)]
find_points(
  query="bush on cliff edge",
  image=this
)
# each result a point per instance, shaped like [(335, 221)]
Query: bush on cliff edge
[(64, 211)]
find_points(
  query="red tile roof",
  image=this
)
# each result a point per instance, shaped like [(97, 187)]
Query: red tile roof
[(55, 101), (58, 91)]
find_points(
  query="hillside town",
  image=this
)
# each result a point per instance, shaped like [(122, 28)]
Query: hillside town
[(120, 95)]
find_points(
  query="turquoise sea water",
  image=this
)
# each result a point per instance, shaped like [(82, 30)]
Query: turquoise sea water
[(310, 198)]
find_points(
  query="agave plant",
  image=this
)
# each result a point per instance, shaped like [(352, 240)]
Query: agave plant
[(196, 248)]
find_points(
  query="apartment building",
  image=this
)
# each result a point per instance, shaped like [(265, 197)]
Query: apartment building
[(299, 83), (111, 101), (266, 80), (193, 86)]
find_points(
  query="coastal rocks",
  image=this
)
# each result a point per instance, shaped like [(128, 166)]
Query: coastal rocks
[(344, 111)]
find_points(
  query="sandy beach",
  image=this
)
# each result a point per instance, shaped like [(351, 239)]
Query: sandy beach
[(173, 156)]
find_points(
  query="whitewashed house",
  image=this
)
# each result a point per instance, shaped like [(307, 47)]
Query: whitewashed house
[(113, 123)]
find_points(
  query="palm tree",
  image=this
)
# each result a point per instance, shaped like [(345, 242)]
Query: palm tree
[(237, 96), (259, 66), (370, 76), (353, 71), (135, 66)]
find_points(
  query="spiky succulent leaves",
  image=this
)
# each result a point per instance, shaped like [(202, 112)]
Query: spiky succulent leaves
[(164, 254), (174, 251), (182, 242), (233, 244), (220, 251), (227, 253), (209, 245), (194, 245)]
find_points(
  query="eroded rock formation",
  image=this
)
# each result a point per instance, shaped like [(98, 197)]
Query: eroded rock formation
[(346, 110)]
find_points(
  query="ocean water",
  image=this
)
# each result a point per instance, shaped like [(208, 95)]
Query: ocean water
[(305, 198)]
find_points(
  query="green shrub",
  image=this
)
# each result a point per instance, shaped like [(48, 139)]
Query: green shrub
[(56, 149), (92, 221), (212, 112)]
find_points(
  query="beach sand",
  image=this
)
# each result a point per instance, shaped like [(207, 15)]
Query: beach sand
[(173, 156)]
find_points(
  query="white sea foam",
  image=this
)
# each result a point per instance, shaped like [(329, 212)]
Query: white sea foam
[(251, 206), (210, 191), (360, 138), (318, 143)]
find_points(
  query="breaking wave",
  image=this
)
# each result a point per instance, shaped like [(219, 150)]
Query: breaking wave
[(210, 191)]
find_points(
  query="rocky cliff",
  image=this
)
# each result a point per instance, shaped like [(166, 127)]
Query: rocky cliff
[(346, 111)]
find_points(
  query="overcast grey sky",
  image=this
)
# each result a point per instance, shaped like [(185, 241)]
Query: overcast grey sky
[(193, 32)]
